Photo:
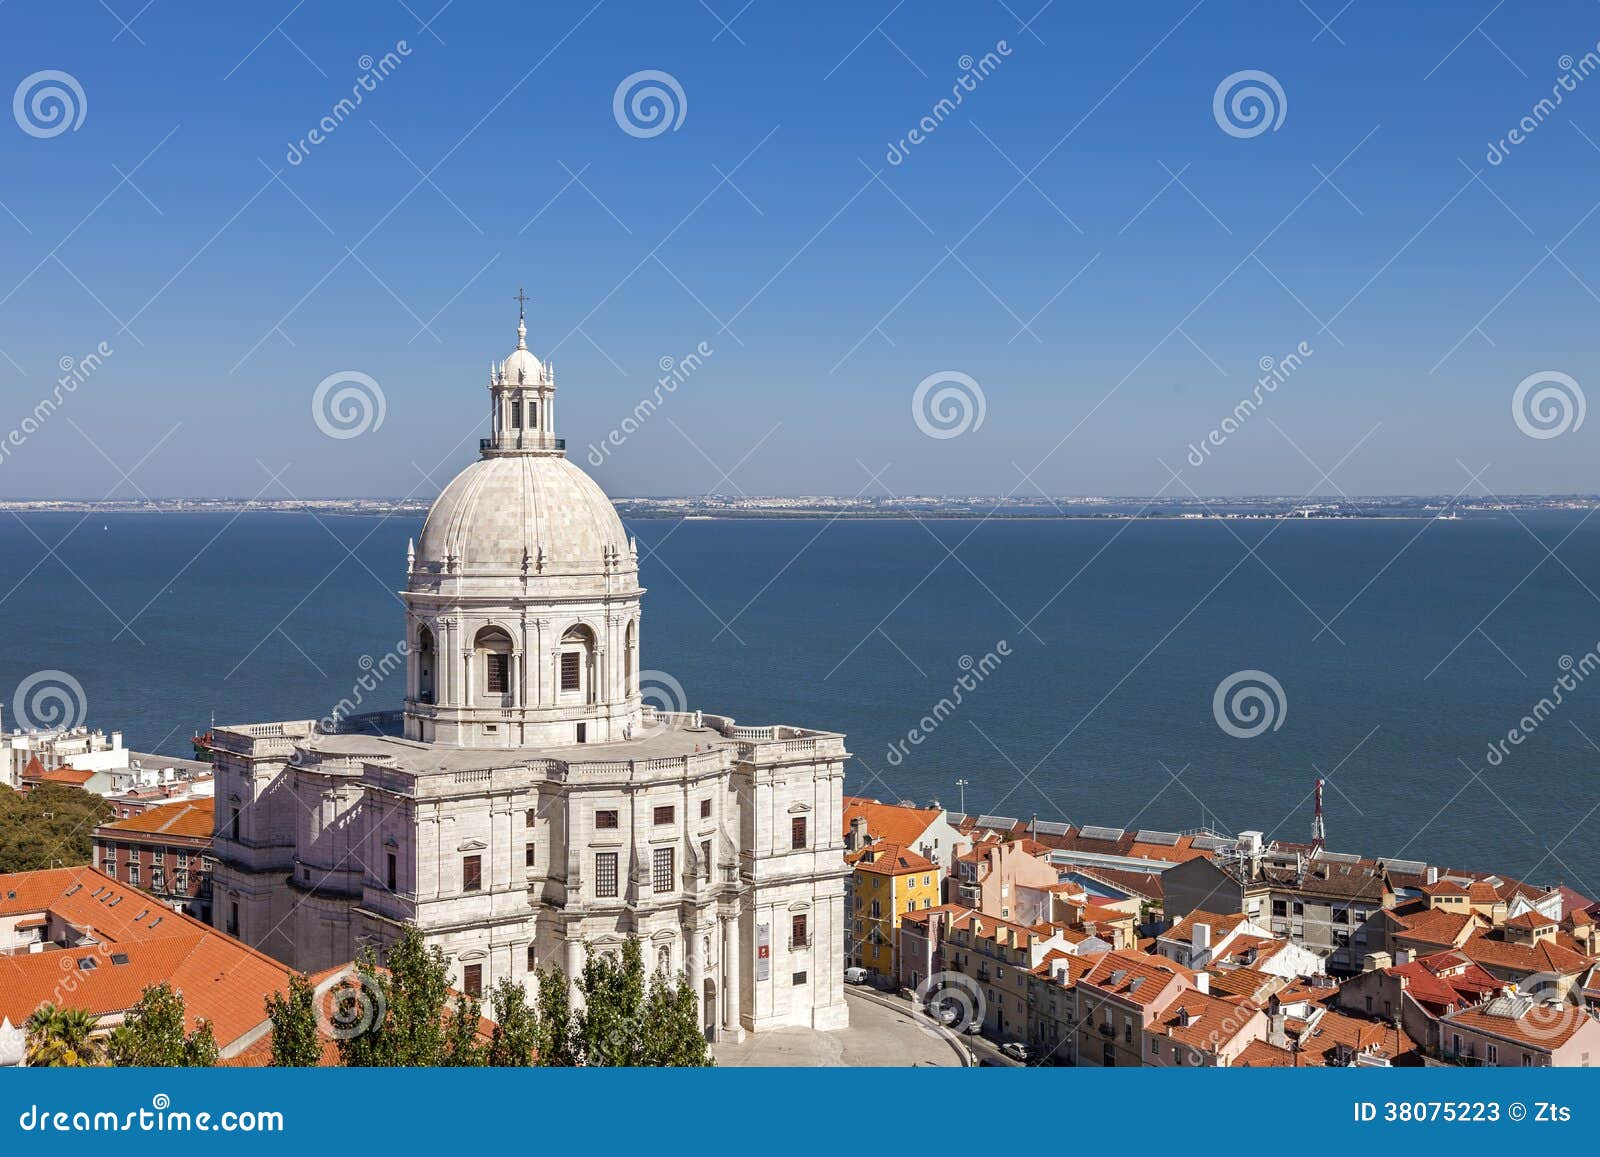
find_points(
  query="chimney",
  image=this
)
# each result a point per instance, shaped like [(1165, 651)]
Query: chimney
[(1403, 955), (1373, 961), (1199, 944), (1433, 875), (1202, 983), (858, 832)]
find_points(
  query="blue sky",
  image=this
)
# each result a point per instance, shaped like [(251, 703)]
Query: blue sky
[(1112, 307)]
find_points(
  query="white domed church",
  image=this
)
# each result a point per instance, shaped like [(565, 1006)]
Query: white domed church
[(527, 807)]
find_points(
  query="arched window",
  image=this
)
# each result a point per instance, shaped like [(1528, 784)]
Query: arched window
[(491, 653), (425, 665), (630, 660), (575, 666)]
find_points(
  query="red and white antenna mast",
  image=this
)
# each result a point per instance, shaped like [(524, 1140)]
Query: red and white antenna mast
[(1318, 832)]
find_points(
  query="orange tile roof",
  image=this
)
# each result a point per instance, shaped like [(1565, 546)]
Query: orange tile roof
[(1214, 1021), (1545, 1027), (1258, 1054), (221, 979), (63, 774), (1436, 926), (183, 818), (1136, 977), (889, 859), (1531, 919), (1335, 1030), (1546, 956), (889, 822), (1221, 925)]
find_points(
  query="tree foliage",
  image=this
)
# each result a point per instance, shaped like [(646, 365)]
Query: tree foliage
[(413, 1021), (295, 1042), (63, 1038), (153, 1035), (554, 1024), (626, 1021), (515, 1042), (50, 827)]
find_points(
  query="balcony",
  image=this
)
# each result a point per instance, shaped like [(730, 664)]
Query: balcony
[(520, 440)]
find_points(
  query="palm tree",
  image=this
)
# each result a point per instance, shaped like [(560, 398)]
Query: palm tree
[(63, 1038)]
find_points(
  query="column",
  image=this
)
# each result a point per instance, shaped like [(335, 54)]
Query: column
[(730, 974), (574, 964), (696, 969)]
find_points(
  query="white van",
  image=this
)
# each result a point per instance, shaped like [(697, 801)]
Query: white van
[(855, 975)]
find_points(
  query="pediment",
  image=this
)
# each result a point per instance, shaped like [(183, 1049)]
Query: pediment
[(472, 846)]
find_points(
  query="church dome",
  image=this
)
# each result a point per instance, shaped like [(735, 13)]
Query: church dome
[(521, 368), (501, 511)]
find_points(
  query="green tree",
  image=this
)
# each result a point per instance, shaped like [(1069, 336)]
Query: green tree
[(515, 1041), (63, 1038), (295, 1042), (408, 1018), (50, 827), (610, 1026), (672, 1034), (153, 1036), (461, 1046), (555, 1041)]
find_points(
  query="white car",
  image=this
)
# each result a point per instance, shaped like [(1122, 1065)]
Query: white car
[(1016, 1050), (855, 975)]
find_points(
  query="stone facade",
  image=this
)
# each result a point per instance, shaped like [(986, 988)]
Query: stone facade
[(528, 806)]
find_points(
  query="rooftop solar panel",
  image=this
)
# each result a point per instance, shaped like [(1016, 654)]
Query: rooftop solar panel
[(1051, 828), (1148, 837), (1098, 833), (997, 821), (1407, 867), (1340, 857), (1211, 843)]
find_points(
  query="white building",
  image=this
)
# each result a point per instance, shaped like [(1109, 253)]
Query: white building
[(530, 807), (76, 747)]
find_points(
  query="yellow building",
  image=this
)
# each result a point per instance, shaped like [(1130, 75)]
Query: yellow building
[(889, 882)]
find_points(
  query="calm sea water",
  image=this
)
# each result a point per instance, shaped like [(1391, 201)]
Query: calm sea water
[(1118, 633)]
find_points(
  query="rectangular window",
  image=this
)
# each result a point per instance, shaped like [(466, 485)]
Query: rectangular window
[(1280, 908), (705, 859), (705, 809), (797, 932), (665, 815), (133, 873), (529, 817), (233, 919), (157, 878), (605, 819), (797, 833), (533, 959), (571, 666), (233, 825), (661, 866), (471, 873), (472, 980), (499, 682), (799, 978), (180, 882), (1494, 1055), (605, 873), (516, 415), (391, 872), (528, 859)]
